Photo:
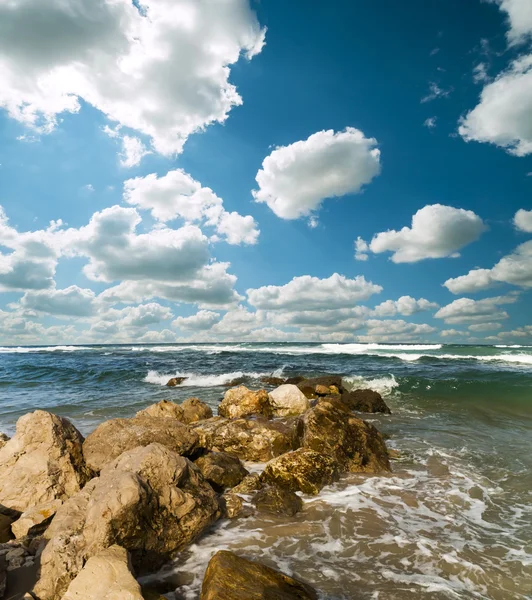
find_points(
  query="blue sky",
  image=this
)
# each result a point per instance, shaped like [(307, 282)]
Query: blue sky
[(209, 166)]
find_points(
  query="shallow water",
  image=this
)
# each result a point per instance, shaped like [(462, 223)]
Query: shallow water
[(453, 520)]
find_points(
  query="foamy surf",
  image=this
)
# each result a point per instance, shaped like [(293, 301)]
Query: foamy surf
[(198, 380), (384, 385)]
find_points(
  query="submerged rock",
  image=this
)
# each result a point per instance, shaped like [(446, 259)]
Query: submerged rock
[(234, 382), (241, 402), (257, 440), (36, 519), (365, 401), (288, 400), (175, 381), (277, 501), (106, 576), (355, 445), (190, 411), (321, 386), (113, 437), (303, 470), (150, 500), (230, 577), (42, 462), (232, 505), (221, 470), (270, 380)]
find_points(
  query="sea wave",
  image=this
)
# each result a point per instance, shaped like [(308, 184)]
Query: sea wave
[(383, 385), (27, 349), (362, 348), (525, 359), (200, 380)]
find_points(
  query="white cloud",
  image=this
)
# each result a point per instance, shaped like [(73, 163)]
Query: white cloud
[(295, 179), (480, 73), (480, 327), (503, 115), (122, 61), (519, 17), (177, 194), (203, 319), (435, 91), (397, 330), (437, 231), (453, 333), (361, 249), (138, 316), (72, 301), (430, 123), (312, 293), (406, 306), (133, 151), (515, 269), (466, 310), (523, 220)]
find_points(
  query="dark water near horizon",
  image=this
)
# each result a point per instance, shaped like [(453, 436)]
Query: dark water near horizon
[(454, 519)]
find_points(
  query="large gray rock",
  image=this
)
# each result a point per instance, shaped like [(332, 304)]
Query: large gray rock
[(191, 410), (42, 462), (230, 577), (288, 400), (256, 440), (106, 576), (241, 402), (113, 437), (150, 500), (221, 470)]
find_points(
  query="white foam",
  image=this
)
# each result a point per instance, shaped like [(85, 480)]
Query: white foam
[(197, 380), (24, 350), (363, 348), (383, 385)]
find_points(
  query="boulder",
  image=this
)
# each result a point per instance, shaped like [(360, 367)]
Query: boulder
[(303, 470), (42, 462), (270, 380), (355, 445), (3, 440), (287, 400), (36, 519), (321, 386), (234, 382), (256, 440), (365, 401), (295, 380), (191, 410), (241, 402), (249, 484), (106, 576), (230, 577), (5, 528), (232, 505), (113, 437), (150, 501), (277, 501), (195, 410), (175, 381), (221, 470)]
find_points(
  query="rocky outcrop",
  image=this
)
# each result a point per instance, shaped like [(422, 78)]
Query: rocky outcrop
[(257, 440), (355, 445), (230, 577), (321, 386), (175, 381), (113, 437), (150, 501), (241, 402), (42, 462), (221, 470), (190, 411), (303, 470), (288, 400), (36, 519), (3, 440), (106, 576), (365, 401), (277, 501)]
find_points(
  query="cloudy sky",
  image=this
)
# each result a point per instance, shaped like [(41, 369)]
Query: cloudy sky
[(202, 170)]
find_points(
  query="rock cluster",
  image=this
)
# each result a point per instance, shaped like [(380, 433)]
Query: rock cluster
[(98, 512)]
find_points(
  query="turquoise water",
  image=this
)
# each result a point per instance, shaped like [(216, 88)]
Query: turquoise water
[(454, 520)]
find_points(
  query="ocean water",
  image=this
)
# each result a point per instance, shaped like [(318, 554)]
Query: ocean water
[(453, 520)]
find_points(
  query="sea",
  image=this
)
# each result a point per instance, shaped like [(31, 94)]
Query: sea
[(453, 519)]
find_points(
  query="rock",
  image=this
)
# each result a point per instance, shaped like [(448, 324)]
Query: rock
[(295, 380), (365, 401), (113, 437), (221, 470), (234, 382), (106, 576), (321, 386), (36, 519), (3, 440), (335, 400), (175, 381), (150, 501), (191, 410), (269, 380), (15, 558), (42, 462), (355, 445), (288, 400), (277, 501), (241, 402), (256, 440), (232, 505), (151, 594), (3, 575), (5, 528), (230, 577), (249, 484), (303, 470)]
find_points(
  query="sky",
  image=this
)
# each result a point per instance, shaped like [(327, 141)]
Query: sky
[(241, 170)]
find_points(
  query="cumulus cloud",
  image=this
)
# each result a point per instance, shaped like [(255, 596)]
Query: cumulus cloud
[(133, 151), (394, 330), (523, 220), (515, 269), (178, 195), (72, 301), (405, 306), (295, 179), (453, 333), (466, 310), (519, 17), (312, 293), (481, 327), (202, 320), (503, 116), (437, 231), (121, 59), (361, 249), (430, 123)]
